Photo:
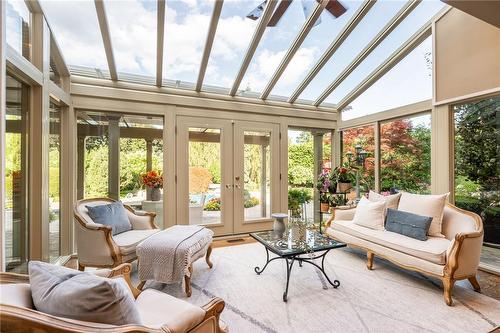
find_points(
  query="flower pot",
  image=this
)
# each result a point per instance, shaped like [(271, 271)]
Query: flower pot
[(155, 194), (324, 207), (344, 187)]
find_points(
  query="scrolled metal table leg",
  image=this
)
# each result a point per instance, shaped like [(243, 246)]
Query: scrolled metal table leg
[(288, 273), (258, 270)]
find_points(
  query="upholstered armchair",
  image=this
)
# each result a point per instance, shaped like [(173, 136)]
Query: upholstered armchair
[(96, 244), (159, 312)]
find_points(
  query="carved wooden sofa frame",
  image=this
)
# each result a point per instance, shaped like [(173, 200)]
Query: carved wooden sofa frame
[(106, 231), (19, 319), (451, 272)]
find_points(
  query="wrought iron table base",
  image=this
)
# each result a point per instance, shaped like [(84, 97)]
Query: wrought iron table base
[(289, 264)]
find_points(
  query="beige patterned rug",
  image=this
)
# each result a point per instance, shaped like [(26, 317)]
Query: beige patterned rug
[(387, 299)]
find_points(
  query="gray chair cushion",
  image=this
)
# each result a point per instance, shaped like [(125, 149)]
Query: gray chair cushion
[(112, 214), (408, 224), (68, 293)]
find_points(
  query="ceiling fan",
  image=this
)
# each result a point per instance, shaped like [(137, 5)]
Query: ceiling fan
[(334, 7)]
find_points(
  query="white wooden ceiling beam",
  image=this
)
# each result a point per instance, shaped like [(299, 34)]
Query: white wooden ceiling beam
[(341, 37), (106, 38), (259, 31), (160, 33), (214, 21)]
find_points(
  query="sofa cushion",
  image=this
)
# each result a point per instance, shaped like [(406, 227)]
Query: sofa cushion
[(112, 214), (128, 241), (408, 224), (68, 293), (426, 205), (433, 249), (370, 214), (392, 201), (157, 309), (16, 294)]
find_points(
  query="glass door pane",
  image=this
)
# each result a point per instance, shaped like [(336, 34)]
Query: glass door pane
[(16, 173), (204, 173), (54, 182), (256, 175)]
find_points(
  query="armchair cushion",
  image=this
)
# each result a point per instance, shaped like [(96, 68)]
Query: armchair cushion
[(16, 294), (128, 241), (68, 293), (113, 214), (159, 309)]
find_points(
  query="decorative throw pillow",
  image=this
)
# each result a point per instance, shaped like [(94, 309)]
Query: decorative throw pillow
[(426, 205), (391, 200), (408, 224), (112, 214), (68, 293), (370, 214)]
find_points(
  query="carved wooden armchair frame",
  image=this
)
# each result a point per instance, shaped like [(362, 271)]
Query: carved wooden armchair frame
[(19, 319)]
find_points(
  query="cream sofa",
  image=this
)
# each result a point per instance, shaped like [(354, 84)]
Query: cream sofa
[(96, 245), (159, 312), (452, 258)]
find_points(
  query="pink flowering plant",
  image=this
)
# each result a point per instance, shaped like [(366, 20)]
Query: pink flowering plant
[(325, 185)]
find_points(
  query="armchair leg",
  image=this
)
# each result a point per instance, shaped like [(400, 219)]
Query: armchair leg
[(369, 263), (81, 267), (475, 284), (207, 257), (448, 283), (141, 285), (187, 282)]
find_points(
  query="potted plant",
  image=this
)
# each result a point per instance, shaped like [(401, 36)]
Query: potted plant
[(324, 186), (153, 181), (296, 198), (344, 176)]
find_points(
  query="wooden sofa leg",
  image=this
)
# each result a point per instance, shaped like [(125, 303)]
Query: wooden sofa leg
[(207, 256), (369, 263), (81, 267), (448, 283), (475, 284), (187, 282)]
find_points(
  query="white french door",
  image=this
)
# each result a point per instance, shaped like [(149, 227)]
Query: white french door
[(227, 174)]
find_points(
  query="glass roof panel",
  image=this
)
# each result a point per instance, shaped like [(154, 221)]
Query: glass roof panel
[(316, 43), (76, 29), (366, 30), (417, 19), (409, 81), (133, 40), (186, 28), (234, 33), (274, 44), (17, 16)]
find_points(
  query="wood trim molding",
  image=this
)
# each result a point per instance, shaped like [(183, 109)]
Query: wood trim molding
[(22, 68), (470, 97)]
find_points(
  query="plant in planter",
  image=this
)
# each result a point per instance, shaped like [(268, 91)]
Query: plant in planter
[(296, 198), (153, 181), (344, 176), (325, 186)]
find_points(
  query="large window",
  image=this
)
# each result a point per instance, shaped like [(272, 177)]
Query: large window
[(360, 138), (477, 165), (405, 146), (54, 182), (16, 176), (114, 150), (309, 152), (18, 27)]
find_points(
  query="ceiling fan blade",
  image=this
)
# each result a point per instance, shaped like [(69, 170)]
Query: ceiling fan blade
[(335, 7), (257, 12), (278, 13)]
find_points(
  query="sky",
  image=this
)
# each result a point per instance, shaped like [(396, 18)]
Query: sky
[(133, 33)]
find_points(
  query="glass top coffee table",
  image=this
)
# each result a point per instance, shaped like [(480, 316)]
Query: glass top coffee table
[(311, 246)]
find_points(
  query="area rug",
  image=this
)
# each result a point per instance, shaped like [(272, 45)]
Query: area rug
[(387, 299)]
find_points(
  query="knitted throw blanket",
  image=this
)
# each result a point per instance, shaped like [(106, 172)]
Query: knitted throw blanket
[(166, 256)]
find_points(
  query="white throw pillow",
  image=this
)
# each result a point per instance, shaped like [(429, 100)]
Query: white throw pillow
[(392, 201), (370, 214), (427, 205)]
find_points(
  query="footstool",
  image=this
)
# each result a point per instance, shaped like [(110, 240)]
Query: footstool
[(168, 255)]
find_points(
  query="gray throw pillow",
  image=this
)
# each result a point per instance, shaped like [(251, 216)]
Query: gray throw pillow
[(68, 293), (408, 224), (112, 214)]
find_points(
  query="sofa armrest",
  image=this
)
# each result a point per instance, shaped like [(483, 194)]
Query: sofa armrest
[(141, 220), (344, 214), (463, 255), (214, 309)]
